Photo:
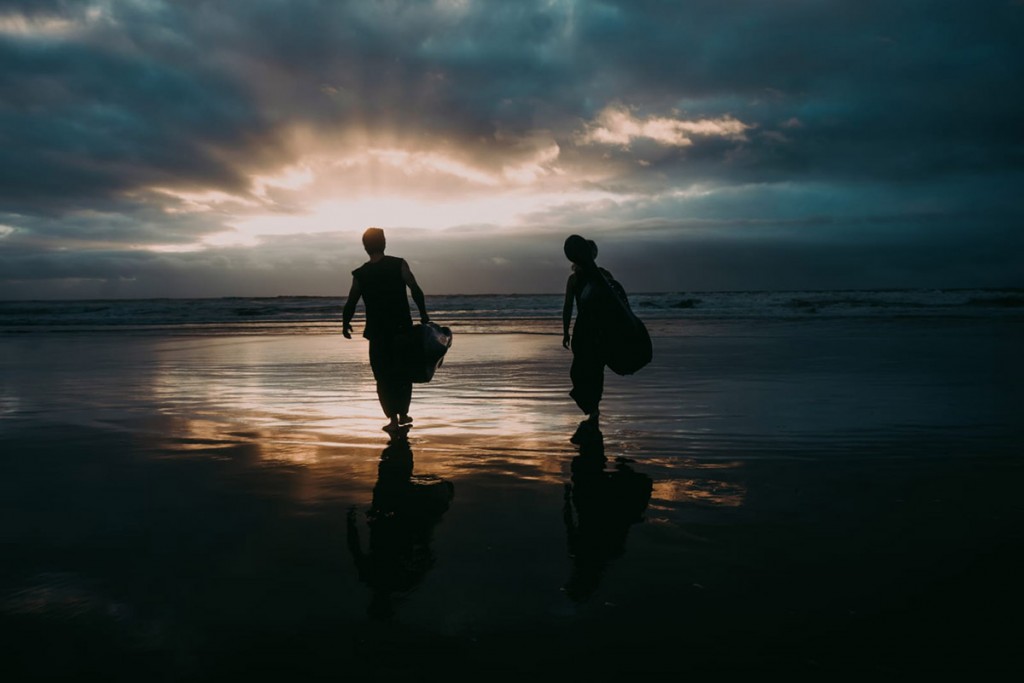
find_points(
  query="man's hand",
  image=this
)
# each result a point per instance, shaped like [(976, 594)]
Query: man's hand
[(346, 330), (565, 340), (424, 318)]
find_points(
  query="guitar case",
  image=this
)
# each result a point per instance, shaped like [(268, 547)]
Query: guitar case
[(626, 341)]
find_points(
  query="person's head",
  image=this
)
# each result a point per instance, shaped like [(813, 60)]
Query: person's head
[(579, 250), (373, 241)]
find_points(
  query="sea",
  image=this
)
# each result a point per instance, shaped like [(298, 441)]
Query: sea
[(200, 489), (664, 312)]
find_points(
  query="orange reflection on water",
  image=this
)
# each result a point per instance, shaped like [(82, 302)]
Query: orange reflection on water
[(497, 408), (691, 488), (699, 491)]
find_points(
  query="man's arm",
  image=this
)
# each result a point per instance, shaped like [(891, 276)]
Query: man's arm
[(567, 311), (417, 293), (350, 309)]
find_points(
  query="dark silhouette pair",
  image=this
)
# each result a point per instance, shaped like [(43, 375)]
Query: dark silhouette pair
[(605, 333)]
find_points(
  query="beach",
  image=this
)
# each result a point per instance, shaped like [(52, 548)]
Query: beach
[(782, 495)]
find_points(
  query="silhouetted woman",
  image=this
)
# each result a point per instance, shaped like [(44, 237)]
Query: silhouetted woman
[(584, 289)]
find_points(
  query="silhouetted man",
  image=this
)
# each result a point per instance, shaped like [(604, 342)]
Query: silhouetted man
[(381, 283)]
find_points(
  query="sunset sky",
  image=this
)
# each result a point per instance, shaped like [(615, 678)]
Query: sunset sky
[(239, 148)]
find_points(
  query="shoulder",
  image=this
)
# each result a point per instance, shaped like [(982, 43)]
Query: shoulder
[(601, 272)]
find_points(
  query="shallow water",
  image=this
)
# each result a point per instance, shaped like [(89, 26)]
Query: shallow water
[(219, 508)]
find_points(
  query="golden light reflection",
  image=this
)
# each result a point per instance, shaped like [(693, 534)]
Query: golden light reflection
[(310, 401), (698, 491), (230, 391)]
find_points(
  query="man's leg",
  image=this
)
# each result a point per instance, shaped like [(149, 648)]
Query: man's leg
[(380, 363), (394, 390)]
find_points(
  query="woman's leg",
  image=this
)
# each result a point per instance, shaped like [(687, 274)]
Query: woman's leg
[(587, 375)]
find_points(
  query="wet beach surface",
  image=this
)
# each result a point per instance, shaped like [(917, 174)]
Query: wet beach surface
[(831, 497)]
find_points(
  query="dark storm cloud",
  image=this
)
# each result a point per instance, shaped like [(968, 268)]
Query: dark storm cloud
[(128, 221), (880, 90), (191, 94), (190, 87), (82, 124), (859, 114)]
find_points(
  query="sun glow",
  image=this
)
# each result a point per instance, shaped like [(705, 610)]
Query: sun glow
[(341, 215), (339, 189)]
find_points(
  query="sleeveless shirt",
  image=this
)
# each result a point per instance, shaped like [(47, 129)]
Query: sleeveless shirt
[(383, 288)]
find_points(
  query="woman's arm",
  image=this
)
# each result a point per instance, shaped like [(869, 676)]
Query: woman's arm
[(567, 309)]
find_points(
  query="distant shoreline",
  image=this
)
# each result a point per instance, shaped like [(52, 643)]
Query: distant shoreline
[(1008, 288)]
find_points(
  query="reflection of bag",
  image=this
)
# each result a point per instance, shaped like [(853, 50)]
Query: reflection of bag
[(627, 344), (427, 345)]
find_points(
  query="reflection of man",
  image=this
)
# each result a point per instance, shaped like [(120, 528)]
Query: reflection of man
[(405, 509), (607, 504), (381, 283)]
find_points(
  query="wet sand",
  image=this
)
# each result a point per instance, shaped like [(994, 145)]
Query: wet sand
[(786, 497)]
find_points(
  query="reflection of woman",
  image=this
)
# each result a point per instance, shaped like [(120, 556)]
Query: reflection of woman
[(607, 504), (401, 519), (583, 289)]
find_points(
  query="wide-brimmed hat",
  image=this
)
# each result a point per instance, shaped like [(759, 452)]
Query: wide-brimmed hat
[(577, 249)]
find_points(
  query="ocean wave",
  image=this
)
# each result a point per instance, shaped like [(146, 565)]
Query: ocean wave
[(997, 302), (483, 312)]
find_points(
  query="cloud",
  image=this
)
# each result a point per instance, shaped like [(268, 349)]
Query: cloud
[(617, 125), (154, 133)]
